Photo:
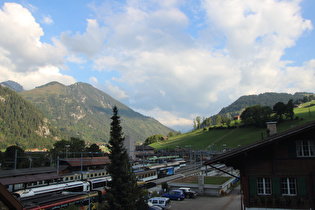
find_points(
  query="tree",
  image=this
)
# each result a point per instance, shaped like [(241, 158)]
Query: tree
[(198, 122), (76, 145), (195, 126), (218, 120), (94, 148), (170, 134), (289, 107), (209, 121), (124, 192), (153, 139), (256, 115), (9, 155), (279, 109)]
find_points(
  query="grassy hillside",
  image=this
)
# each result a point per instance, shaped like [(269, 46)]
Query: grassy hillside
[(215, 139)]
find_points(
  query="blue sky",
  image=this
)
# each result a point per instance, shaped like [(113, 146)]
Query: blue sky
[(172, 60)]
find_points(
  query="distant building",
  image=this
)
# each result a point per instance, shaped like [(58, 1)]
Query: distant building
[(84, 164), (237, 117), (277, 172), (144, 151), (130, 145)]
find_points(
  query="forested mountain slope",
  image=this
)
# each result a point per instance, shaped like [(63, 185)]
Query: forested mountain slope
[(24, 124), (264, 99), (83, 111)]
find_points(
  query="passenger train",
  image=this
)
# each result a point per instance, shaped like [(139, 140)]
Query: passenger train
[(91, 180)]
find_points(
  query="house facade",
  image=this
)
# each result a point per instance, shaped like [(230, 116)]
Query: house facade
[(277, 172)]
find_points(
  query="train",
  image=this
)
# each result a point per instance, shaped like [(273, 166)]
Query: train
[(75, 186), (89, 200), (90, 180)]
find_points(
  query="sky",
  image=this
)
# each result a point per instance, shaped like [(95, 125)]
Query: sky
[(172, 60)]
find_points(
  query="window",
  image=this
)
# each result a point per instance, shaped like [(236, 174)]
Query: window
[(263, 186), (305, 148), (288, 186)]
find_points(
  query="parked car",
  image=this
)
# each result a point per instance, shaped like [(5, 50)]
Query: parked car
[(175, 195), (152, 207), (188, 192), (162, 202)]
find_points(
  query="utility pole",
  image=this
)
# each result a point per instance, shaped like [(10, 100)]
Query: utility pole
[(15, 159)]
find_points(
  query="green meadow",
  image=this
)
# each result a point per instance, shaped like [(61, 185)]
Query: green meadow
[(231, 138)]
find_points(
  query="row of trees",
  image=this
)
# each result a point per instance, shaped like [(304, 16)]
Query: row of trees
[(253, 115), (258, 115), (61, 148), (208, 122)]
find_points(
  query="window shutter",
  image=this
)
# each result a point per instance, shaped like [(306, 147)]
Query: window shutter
[(292, 149), (301, 186), (276, 185), (253, 186)]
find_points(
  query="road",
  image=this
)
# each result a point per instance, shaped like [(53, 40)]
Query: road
[(232, 201)]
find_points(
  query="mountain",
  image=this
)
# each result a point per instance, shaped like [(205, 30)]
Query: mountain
[(13, 85), (23, 124), (264, 99), (83, 111)]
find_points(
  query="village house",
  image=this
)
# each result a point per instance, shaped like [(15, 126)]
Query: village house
[(276, 172)]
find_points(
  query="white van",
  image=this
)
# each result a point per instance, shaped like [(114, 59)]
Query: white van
[(165, 203)]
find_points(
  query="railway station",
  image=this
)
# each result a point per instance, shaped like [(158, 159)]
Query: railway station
[(86, 178)]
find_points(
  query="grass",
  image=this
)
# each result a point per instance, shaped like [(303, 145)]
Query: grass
[(231, 138), (214, 180)]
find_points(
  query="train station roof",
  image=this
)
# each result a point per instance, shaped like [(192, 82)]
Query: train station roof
[(26, 175), (29, 178), (87, 161)]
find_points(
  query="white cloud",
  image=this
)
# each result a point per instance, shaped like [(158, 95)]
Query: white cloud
[(151, 50), (20, 41), (112, 90), (30, 80), (23, 57), (47, 20), (167, 118), (166, 60), (89, 43)]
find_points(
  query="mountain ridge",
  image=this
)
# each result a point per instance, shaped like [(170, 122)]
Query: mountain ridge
[(84, 111)]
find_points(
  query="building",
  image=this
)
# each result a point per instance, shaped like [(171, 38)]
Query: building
[(130, 145), (144, 151), (84, 164), (277, 172)]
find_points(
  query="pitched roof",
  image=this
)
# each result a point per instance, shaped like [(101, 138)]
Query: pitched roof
[(87, 161), (261, 143), (29, 171), (144, 147), (29, 178)]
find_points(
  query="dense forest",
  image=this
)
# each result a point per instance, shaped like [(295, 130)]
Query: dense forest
[(23, 124)]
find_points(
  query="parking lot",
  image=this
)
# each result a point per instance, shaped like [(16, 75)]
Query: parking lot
[(232, 201)]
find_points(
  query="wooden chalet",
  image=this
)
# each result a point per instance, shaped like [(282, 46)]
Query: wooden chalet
[(277, 172)]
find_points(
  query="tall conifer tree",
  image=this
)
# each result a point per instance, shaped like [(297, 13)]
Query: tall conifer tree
[(124, 192)]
